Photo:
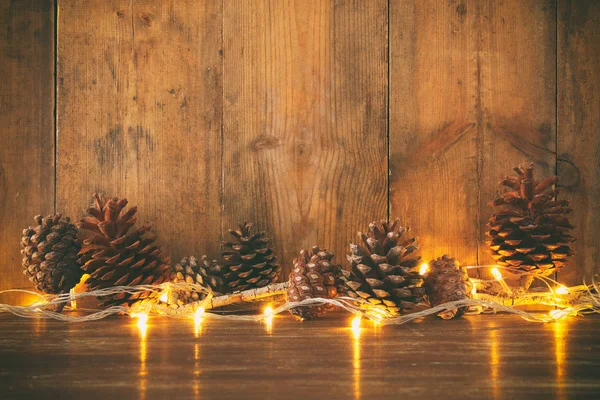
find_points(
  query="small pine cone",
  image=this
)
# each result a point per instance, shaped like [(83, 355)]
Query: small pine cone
[(50, 254), (531, 231), (248, 262), (114, 257), (447, 281), (313, 276), (385, 272), (205, 273)]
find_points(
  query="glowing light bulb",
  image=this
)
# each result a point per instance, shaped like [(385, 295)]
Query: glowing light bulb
[(498, 277), (39, 304), (556, 314), (356, 326), (561, 290), (198, 317), (73, 302), (268, 318), (424, 268), (268, 312), (199, 314), (496, 273), (142, 322), (166, 295)]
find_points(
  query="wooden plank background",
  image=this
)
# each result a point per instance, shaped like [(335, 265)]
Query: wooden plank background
[(26, 130), (310, 118)]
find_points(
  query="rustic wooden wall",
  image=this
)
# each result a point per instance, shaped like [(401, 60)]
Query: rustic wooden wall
[(27, 134), (310, 118)]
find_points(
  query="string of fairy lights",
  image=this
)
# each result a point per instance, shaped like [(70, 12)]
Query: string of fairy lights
[(567, 301)]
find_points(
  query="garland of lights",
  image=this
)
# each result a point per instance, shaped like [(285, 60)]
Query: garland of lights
[(576, 300)]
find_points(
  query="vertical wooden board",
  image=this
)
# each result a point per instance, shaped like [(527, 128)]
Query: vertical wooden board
[(579, 130), (472, 94), (434, 124), (516, 52), (305, 151), (139, 114), (26, 129)]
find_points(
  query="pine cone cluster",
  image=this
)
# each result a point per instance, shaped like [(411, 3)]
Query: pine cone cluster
[(531, 231), (49, 252), (205, 273), (313, 276), (385, 269), (447, 281), (247, 260), (115, 257)]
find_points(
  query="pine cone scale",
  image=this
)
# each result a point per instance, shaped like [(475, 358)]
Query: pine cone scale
[(114, 258), (50, 254), (313, 276), (248, 262), (383, 269)]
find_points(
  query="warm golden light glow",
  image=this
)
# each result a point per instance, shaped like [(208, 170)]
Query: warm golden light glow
[(198, 317), (494, 363), (143, 354), (561, 290), (424, 268), (268, 311), (166, 295), (474, 290), (38, 304), (142, 323), (560, 352), (197, 371), (268, 318), (81, 287), (560, 314), (496, 273), (500, 279), (356, 326), (73, 301), (356, 356)]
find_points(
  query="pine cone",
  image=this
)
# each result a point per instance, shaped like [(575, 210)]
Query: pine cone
[(50, 254), (530, 233), (114, 258), (313, 276), (385, 271), (248, 262), (207, 274), (447, 281)]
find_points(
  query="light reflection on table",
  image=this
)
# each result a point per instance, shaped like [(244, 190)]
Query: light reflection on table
[(477, 357), (560, 351)]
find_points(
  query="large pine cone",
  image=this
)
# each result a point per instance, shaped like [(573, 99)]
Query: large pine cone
[(205, 273), (313, 276), (248, 262), (114, 258), (49, 252), (385, 270), (447, 281), (530, 233)]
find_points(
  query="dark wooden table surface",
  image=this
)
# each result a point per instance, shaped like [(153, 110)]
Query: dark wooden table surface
[(475, 357)]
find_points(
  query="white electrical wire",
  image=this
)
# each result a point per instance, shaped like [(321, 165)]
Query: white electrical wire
[(579, 300)]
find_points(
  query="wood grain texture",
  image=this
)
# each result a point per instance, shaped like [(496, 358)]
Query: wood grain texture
[(579, 129), (470, 99), (305, 151), (139, 105), (517, 92), (26, 130), (434, 124), (483, 357)]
